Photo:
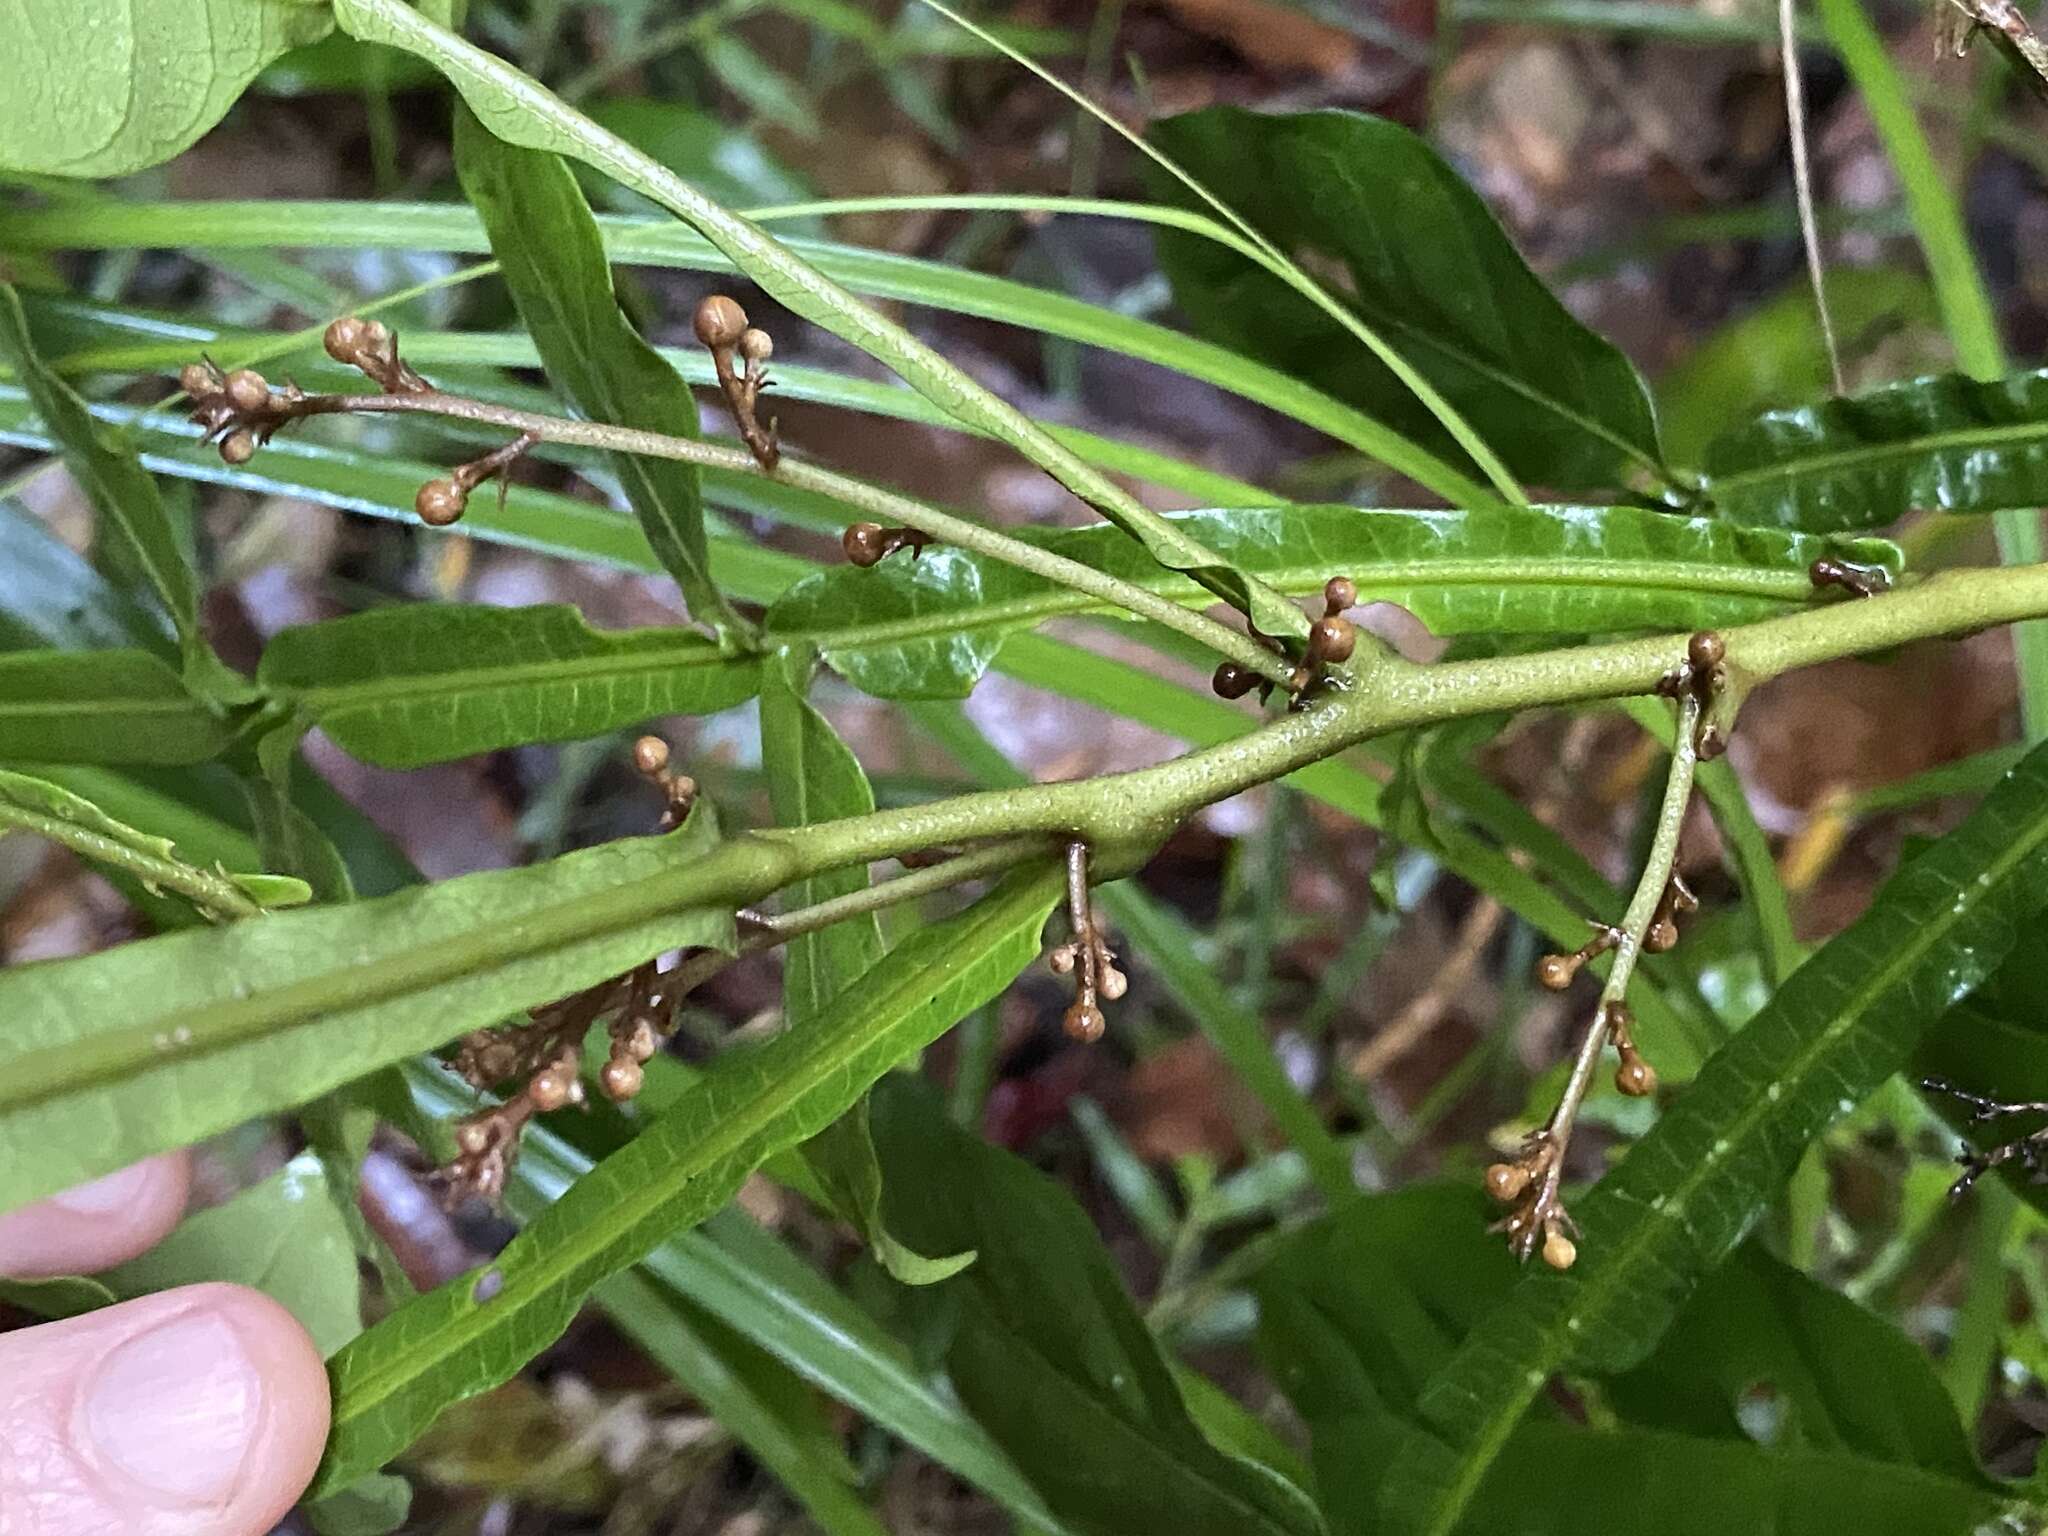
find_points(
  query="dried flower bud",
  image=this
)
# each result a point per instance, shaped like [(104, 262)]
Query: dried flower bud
[(1332, 640), (864, 544), (549, 1089), (440, 502), (1339, 593), (1556, 972), (472, 1137), (644, 1041), (238, 447), (620, 1080), (720, 322), (756, 346), (1506, 1181), (1062, 960), (247, 390), (196, 379), (1113, 983), (1705, 650), (345, 338), (1660, 936), (650, 755), (1559, 1251), (1234, 682), (1635, 1077), (1084, 1022)]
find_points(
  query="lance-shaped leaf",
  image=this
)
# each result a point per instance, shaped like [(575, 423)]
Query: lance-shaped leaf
[(552, 259), (1050, 1354), (160, 1043), (1940, 444), (1687, 1193), (53, 812), (50, 596), (424, 682), (1396, 234), (102, 707), (105, 87), (928, 627), (523, 112), (462, 1339)]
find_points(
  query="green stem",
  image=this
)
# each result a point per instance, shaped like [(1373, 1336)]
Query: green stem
[(215, 895), (883, 505)]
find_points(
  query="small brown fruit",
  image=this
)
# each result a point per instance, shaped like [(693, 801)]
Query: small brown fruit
[(1114, 983), (440, 502), (756, 346), (720, 322), (238, 447), (863, 544), (620, 1080), (1332, 639), (1661, 935), (1339, 593), (472, 1138), (247, 390), (1062, 960), (549, 1089), (1559, 1251), (344, 339), (196, 379), (1705, 650), (650, 755), (1635, 1077), (644, 1041), (1555, 972), (1084, 1022), (1232, 681), (1506, 1181)]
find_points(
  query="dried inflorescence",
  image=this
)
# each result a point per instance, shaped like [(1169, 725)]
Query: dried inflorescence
[(2029, 1151), (1537, 1220), (868, 544), (678, 790), (722, 328), (1704, 675), (1332, 640), (1087, 956)]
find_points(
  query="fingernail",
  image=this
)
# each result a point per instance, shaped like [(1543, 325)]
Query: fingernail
[(104, 1196), (176, 1408)]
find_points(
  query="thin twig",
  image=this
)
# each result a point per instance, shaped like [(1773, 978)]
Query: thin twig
[(1802, 184)]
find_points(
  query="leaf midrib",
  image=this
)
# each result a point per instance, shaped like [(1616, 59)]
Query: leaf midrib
[(1840, 458), (328, 699)]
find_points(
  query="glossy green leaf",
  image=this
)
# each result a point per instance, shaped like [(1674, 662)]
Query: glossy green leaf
[(456, 1342), (159, 1043), (1688, 1191), (283, 1237), (424, 682), (1411, 249), (53, 812), (106, 87), (371, 1506), (124, 498), (102, 707), (928, 627), (663, 243), (1940, 444), (523, 112), (551, 258), (1048, 1351)]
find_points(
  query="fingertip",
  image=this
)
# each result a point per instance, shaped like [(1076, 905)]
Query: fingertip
[(97, 1225)]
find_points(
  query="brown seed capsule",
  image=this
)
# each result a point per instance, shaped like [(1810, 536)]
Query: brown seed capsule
[(1332, 639), (1705, 650), (344, 339), (1506, 1181), (650, 755), (1635, 1077), (549, 1089), (644, 1041), (1062, 960), (863, 544), (1114, 983), (1555, 972), (1660, 936), (620, 1080), (196, 379), (1084, 1022), (472, 1138), (247, 390), (1232, 681), (720, 322), (756, 346), (238, 447), (440, 502), (1339, 593), (376, 336), (1559, 1251)]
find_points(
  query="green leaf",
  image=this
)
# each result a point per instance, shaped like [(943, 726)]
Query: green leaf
[(1402, 240), (124, 498), (727, 164), (102, 707), (371, 1506), (283, 1237), (51, 811), (106, 87), (523, 112), (551, 258), (928, 627), (1050, 1354), (424, 682), (157, 1044), (454, 1343), (1688, 1191), (50, 596), (1939, 444)]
